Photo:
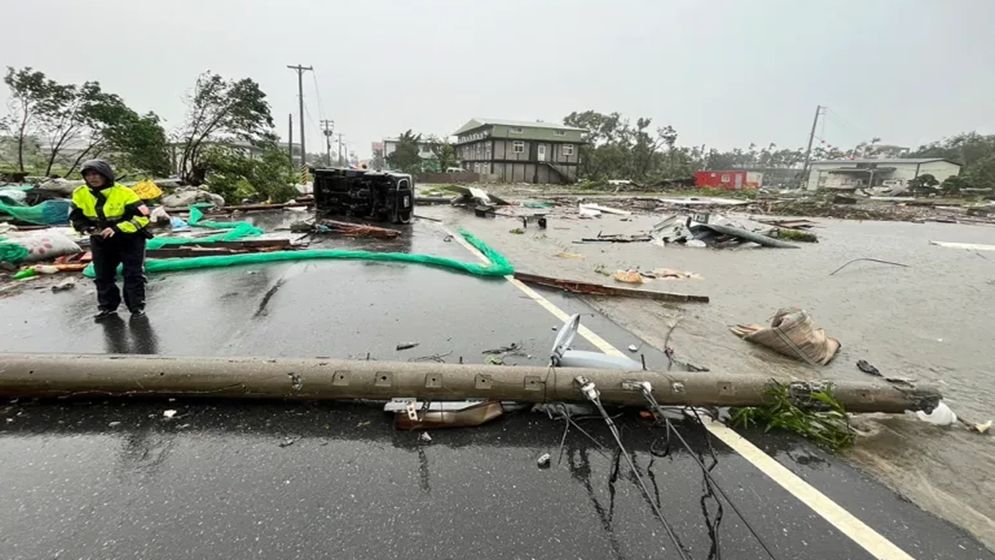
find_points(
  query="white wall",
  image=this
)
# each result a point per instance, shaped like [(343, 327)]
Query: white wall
[(819, 177), (939, 169)]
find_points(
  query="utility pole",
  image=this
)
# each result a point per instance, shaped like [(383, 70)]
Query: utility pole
[(290, 136), (340, 147), (811, 137), (300, 95), (328, 128)]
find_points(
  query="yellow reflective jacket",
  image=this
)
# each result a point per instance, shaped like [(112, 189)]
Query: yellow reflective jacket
[(116, 207)]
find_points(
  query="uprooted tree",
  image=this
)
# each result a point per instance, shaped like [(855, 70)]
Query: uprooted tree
[(262, 172), (220, 112)]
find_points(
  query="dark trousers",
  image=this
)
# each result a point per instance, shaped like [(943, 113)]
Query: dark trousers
[(127, 250)]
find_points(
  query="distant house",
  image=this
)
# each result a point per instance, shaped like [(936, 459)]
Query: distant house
[(520, 151), (862, 173)]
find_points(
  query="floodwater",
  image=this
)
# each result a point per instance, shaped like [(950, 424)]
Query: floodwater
[(930, 321)]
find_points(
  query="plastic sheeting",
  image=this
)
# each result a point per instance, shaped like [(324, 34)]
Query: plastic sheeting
[(498, 266), (50, 212)]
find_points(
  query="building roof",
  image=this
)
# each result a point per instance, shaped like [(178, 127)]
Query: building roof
[(479, 122), (891, 161)]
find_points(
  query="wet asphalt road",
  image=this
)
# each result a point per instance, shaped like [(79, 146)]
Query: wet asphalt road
[(275, 480)]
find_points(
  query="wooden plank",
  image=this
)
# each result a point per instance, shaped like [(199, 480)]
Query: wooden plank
[(586, 288)]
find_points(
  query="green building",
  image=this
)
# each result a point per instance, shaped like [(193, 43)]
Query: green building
[(520, 151)]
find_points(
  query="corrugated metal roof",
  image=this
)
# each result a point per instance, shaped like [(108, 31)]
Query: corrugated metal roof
[(891, 161), (478, 122)]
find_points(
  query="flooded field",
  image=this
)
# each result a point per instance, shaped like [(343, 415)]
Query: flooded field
[(930, 321)]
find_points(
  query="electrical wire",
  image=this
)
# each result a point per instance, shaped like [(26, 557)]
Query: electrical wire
[(658, 412), (593, 396)]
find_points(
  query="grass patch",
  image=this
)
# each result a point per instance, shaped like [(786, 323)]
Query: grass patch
[(824, 423)]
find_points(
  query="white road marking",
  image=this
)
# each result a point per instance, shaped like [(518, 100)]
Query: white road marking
[(858, 531)]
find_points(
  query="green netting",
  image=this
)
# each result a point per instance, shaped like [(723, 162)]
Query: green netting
[(12, 252), (243, 230), (197, 220), (50, 212), (498, 266)]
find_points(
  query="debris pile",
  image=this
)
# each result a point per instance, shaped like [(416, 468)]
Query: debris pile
[(707, 230)]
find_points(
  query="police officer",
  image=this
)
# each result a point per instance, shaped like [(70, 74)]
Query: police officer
[(116, 219)]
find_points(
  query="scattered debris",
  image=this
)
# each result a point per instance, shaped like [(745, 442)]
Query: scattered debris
[(793, 334), (849, 262), (514, 347), (867, 368), (169, 413), (633, 348), (939, 416), (670, 273), (406, 345), (288, 441), (603, 209), (517, 231), (543, 461), (424, 437), (970, 246), (588, 212), (64, 285), (410, 414), (566, 255), (587, 288), (628, 276), (616, 238), (348, 229)]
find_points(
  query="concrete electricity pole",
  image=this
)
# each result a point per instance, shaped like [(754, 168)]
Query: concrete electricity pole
[(300, 95), (811, 136), (328, 127), (340, 147), (290, 136)]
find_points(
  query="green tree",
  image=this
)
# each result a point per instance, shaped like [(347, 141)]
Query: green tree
[(221, 110), (32, 95), (444, 152), (140, 142), (405, 156)]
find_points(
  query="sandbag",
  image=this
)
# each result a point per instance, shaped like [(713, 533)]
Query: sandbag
[(40, 245), (188, 196), (63, 187), (793, 334)]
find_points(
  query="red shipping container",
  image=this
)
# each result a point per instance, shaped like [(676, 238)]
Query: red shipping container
[(733, 179)]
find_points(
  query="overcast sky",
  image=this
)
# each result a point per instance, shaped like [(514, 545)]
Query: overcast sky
[(723, 73)]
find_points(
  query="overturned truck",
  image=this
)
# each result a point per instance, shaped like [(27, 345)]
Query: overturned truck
[(380, 196)]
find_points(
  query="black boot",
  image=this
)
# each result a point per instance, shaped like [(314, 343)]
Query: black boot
[(104, 314)]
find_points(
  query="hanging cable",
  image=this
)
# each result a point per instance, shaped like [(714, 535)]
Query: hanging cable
[(591, 393), (646, 389)]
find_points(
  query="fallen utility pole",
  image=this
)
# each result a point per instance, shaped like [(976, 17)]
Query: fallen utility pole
[(586, 288), (102, 375)]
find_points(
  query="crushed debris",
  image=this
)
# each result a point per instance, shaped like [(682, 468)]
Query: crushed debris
[(406, 345)]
